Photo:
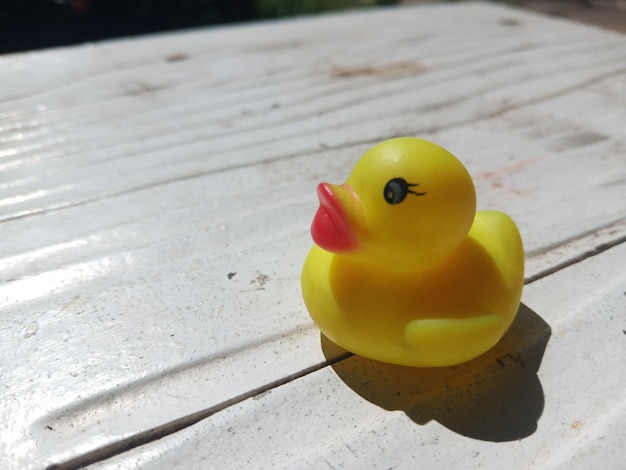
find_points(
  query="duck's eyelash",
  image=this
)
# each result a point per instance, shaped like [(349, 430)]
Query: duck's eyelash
[(413, 192)]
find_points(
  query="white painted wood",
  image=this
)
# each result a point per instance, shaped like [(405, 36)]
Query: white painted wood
[(517, 407), (136, 175)]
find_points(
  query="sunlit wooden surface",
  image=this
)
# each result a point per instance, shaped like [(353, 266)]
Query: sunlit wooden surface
[(155, 201)]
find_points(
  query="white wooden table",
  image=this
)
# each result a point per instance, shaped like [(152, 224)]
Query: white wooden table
[(155, 202)]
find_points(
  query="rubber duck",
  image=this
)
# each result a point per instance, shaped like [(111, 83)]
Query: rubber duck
[(403, 269)]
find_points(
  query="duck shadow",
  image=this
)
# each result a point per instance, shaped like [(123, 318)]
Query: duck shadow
[(496, 397)]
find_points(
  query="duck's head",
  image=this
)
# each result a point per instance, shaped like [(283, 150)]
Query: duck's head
[(407, 204)]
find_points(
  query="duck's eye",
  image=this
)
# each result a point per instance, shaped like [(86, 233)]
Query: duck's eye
[(396, 190)]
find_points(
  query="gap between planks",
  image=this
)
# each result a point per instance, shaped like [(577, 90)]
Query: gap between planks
[(158, 432), (543, 264)]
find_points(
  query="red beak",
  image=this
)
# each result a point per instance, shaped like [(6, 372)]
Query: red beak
[(331, 229)]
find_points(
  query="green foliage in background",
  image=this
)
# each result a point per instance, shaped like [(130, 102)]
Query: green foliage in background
[(278, 8)]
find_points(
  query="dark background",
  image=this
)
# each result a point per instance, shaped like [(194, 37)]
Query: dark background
[(34, 24)]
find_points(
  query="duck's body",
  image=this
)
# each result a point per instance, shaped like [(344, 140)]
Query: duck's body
[(426, 307), (441, 316)]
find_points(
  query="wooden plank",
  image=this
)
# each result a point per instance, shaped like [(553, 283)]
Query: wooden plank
[(522, 405), (195, 126), (133, 186)]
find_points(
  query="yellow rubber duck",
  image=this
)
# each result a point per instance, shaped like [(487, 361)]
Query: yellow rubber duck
[(404, 270)]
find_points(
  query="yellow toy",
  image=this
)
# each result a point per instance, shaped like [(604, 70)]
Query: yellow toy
[(404, 269)]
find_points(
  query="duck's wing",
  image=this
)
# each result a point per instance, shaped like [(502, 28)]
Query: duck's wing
[(447, 341)]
